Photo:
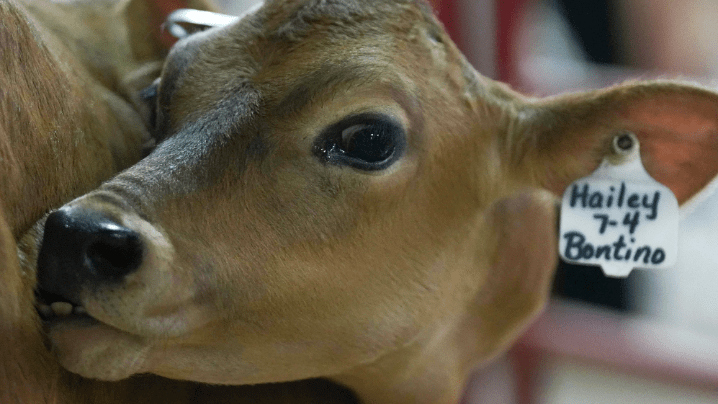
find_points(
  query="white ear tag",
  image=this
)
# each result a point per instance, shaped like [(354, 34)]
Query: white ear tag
[(619, 217)]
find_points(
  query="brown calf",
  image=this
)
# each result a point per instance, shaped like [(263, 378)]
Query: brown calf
[(70, 73), (339, 194)]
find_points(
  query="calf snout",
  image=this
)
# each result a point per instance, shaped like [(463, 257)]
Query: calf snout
[(84, 247)]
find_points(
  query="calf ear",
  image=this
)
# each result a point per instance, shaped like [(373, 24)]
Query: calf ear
[(521, 249), (676, 123), (144, 20)]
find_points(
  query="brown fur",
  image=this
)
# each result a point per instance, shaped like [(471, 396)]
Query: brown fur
[(264, 264), (67, 122)]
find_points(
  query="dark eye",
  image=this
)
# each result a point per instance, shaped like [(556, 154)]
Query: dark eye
[(149, 95), (367, 142)]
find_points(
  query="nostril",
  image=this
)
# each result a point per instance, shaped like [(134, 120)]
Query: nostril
[(114, 252)]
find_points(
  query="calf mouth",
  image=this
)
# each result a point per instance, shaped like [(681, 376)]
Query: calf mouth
[(84, 345)]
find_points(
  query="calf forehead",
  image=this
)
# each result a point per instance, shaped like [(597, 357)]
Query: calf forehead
[(294, 18), (344, 45), (265, 51)]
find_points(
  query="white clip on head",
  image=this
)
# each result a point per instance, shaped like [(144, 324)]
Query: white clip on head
[(178, 20)]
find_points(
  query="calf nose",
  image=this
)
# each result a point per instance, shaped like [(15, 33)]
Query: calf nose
[(82, 246)]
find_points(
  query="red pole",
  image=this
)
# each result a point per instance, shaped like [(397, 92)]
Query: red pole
[(448, 12), (160, 10)]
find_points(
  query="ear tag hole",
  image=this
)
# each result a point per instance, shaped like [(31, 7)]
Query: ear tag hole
[(619, 217)]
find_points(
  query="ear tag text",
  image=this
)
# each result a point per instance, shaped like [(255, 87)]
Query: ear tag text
[(619, 217)]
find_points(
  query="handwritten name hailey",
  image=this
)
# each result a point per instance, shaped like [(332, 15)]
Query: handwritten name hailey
[(597, 199), (577, 246)]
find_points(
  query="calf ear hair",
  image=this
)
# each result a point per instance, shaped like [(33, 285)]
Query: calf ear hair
[(144, 21), (676, 123), (521, 249)]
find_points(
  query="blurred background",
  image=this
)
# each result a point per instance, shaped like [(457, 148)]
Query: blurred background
[(652, 338)]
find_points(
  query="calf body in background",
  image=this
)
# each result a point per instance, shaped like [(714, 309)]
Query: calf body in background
[(70, 117), (337, 193)]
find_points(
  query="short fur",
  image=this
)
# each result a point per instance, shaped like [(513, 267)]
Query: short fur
[(69, 119), (265, 264)]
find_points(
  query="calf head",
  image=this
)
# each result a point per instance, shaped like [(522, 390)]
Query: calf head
[(337, 193)]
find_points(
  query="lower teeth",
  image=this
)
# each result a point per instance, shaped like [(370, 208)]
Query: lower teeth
[(60, 309)]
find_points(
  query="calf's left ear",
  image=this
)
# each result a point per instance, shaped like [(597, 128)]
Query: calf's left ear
[(676, 124)]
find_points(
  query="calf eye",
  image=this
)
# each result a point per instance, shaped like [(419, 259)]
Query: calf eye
[(367, 142)]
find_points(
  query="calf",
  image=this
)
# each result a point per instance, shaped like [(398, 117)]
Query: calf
[(70, 118), (337, 193)]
